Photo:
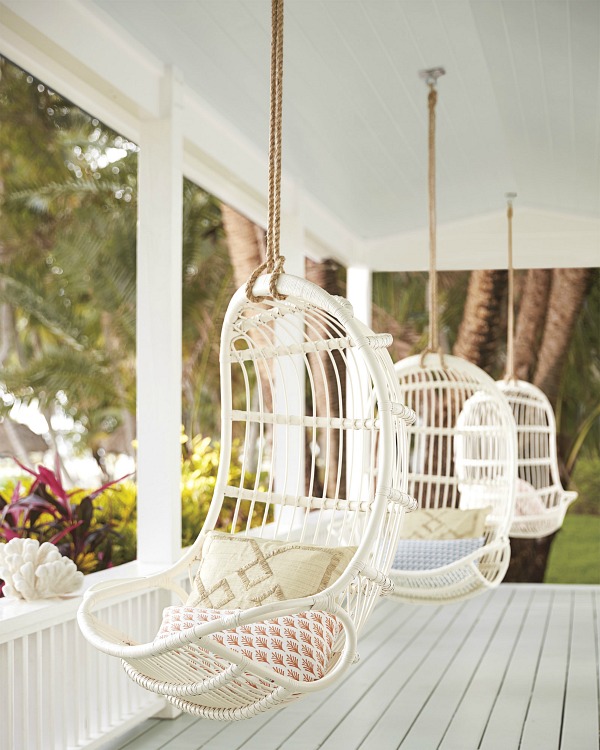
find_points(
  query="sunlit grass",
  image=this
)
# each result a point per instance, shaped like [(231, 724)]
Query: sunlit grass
[(575, 553)]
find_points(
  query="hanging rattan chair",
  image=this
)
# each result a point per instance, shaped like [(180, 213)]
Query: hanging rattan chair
[(540, 500), (462, 456), (462, 459), (231, 662)]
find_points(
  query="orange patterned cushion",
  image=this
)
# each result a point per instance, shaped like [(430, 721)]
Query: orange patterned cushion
[(296, 646)]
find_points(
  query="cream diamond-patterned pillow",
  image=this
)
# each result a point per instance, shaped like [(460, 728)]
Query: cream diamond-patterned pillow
[(444, 523), (239, 572)]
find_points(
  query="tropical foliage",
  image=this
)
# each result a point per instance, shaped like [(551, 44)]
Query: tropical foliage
[(43, 509), (68, 269)]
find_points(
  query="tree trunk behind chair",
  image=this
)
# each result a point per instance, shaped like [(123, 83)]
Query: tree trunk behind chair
[(567, 294), (478, 334), (530, 321)]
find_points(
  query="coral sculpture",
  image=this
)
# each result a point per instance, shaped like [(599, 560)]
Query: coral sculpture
[(33, 571)]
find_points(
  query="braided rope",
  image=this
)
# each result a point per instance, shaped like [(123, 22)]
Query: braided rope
[(273, 262), (434, 337)]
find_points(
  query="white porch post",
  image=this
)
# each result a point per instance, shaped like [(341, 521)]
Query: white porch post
[(159, 274), (289, 376), (359, 292)]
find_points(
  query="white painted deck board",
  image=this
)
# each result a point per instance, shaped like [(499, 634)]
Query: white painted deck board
[(580, 724), (514, 669)]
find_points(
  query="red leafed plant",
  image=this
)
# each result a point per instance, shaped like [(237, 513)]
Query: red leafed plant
[(46, 511)]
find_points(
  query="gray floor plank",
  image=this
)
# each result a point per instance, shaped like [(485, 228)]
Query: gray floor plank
[(396, 672), (475, 706), (437, 712), (505, 725), (130, 735), (544, 717), (163, 732), (580, 723), (395, 722)]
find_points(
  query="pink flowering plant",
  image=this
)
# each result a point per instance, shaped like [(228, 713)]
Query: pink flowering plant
[(43, 509)]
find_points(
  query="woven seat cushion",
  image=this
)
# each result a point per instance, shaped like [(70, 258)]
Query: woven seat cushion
[(426, 554), (296, 646), (239, 572)]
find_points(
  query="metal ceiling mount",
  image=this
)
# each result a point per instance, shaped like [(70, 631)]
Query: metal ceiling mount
[(430, 75)]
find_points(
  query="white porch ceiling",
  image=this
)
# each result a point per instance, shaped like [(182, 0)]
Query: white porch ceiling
[(519, 111)]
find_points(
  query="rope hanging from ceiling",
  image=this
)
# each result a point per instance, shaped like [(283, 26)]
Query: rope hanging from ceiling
[(274, 262), (462, 450), (540, 499)]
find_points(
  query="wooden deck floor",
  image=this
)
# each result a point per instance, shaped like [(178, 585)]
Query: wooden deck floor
[(516, 669)]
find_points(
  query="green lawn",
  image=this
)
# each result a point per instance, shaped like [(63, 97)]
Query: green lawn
[(575, 553)]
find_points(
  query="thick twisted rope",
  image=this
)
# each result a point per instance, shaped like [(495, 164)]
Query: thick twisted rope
[(434, 338), (273, 263), (510, 328)]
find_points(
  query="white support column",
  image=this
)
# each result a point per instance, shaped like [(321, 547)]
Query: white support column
[(359, 292), (289, 378), (159, 278)]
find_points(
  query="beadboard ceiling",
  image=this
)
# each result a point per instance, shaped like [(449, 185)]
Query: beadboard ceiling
[(519, 107)]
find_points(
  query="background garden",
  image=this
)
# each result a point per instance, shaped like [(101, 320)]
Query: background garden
[(68, 337)]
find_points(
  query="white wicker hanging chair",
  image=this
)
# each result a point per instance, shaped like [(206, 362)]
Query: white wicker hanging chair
[(540, 500), (284, 342), (462, 455)]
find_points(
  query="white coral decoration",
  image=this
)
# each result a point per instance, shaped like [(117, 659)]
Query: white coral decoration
[(34, 571)]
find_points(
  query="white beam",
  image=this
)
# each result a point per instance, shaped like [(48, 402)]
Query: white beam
[(359, 292), (159, 273), (359, 285), (542, 239)]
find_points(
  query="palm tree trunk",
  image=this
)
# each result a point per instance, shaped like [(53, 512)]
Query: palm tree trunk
[(530, 321), (246, 245), (567, 294), (405, 336), (245, 242), (477, 338)]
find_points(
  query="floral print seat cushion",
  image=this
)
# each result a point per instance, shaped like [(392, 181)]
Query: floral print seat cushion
[(296, 646)]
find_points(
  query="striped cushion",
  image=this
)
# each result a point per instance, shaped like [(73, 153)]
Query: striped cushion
[(296, 646), (426, 554)]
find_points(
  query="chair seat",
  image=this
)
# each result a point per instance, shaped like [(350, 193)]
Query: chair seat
[(296, 646), (427, 554)]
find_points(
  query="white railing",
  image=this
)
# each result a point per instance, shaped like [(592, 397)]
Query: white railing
[(56, 691)]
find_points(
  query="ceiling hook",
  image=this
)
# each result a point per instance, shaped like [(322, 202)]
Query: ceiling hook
[(430, 75)]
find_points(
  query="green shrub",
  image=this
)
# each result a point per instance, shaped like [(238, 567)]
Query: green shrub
[(586, 480), (575, 553), (198, 479)]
